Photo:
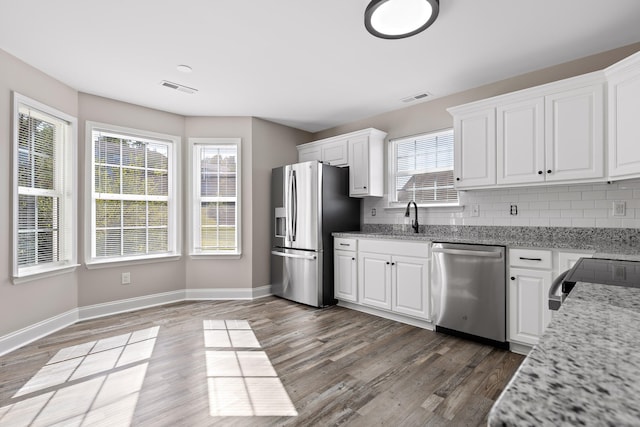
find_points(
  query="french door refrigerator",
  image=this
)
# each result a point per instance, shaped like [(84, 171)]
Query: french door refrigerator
[(309, 201)]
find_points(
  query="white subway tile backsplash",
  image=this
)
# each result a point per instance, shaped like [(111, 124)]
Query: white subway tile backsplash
[(619, 194), (583, 222), (589, 205), (583, 204)]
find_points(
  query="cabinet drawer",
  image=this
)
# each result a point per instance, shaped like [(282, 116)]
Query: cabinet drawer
[(344, 244), (531, 258), (396, 247)]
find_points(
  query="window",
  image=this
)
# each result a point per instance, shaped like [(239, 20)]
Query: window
[(215, 189), (134, 205), (44, 201), (423, 169)]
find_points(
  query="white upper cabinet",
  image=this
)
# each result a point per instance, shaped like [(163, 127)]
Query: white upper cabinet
[(574, 135), (546, 134), (624, 118), (520, 141), (474, 160), (361, 151)]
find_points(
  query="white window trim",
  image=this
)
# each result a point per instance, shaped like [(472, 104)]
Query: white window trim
[(193, 200), (391, 174), (175, 206), (26, 274)]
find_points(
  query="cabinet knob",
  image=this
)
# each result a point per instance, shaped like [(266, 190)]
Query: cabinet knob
[(458, 179), (539, 172), (353, 259), (548, 170), (365, 187), (387, 262), (513, 278), (393, 263)]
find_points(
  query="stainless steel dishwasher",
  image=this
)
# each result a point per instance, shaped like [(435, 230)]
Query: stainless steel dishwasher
[(468, 291)]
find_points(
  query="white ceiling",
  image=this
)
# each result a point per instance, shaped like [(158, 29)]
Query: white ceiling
[(308, 64)]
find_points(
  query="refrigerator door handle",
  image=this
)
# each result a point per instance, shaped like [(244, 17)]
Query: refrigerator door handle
[(285, 255), (288, 204), (294, 217)]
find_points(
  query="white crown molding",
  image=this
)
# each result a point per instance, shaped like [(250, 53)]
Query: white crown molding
[(24, 336)]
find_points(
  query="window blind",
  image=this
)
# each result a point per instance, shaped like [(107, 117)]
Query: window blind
[(423, 169), (217, 192), (131, 195), (42, 236)]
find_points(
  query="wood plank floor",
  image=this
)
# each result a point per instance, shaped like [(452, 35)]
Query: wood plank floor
[(338, 367)]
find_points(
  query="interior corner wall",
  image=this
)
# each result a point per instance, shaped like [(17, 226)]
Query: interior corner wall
[(224, 273), (31, 302), (103, 285), (273, 145)]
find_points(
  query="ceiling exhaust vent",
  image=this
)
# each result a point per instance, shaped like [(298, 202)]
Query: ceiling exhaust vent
[(176, 86), (416, 97)]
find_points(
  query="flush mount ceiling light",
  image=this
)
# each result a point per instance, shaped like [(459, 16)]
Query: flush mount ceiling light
[(184, 68), (397, 19)]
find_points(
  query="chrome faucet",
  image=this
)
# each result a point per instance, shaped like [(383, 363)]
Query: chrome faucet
[(414, 223)]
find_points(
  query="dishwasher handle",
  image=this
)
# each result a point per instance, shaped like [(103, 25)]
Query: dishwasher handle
[(467, 252)]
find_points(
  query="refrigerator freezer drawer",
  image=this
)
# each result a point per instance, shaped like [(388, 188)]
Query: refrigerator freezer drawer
[(300, 276)]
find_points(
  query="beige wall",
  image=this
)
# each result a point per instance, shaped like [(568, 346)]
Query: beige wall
[(432, 115), (102, 285), (273, 146), (205, 273), (28, 303)]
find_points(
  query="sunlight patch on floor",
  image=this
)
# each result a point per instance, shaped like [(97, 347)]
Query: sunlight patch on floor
[(107, 398), (240, 377)]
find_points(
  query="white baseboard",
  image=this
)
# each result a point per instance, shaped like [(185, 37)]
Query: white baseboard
[(227, 293), (130, 304), (41, 329), (424, 324), (27, 335)]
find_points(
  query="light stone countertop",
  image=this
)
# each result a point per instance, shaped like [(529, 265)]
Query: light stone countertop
[(586, 368), (601, 249)]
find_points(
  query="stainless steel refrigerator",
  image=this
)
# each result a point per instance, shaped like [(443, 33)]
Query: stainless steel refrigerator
[(309, 201)]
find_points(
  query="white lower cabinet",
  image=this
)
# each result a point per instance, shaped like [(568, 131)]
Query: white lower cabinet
[(375, 279), (345, 280), (409, 286), (528, 311), (392, 277)]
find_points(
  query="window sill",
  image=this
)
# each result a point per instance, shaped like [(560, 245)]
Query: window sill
[(118, 262), (201, 255), (39, 273)]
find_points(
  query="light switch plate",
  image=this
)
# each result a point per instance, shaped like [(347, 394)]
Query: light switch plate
[(619, 208)]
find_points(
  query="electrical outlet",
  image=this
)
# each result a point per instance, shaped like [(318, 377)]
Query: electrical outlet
[(619, 208), (126, 278), (373, 211), (513, 210), (475, 210)]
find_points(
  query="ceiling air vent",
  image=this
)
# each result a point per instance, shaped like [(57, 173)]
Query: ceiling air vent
[(176, 86), (415, 97)]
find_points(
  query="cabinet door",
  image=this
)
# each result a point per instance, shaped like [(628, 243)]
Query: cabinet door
[(359, 166), (345, 275), (306, 154), (529, 313), (624, 118), (374, 279), (474, 160), (520, 142), (410, 286), (574, 139), (335, 153)]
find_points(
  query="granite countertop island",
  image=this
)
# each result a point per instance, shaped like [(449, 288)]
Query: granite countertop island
[(586, 368)]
